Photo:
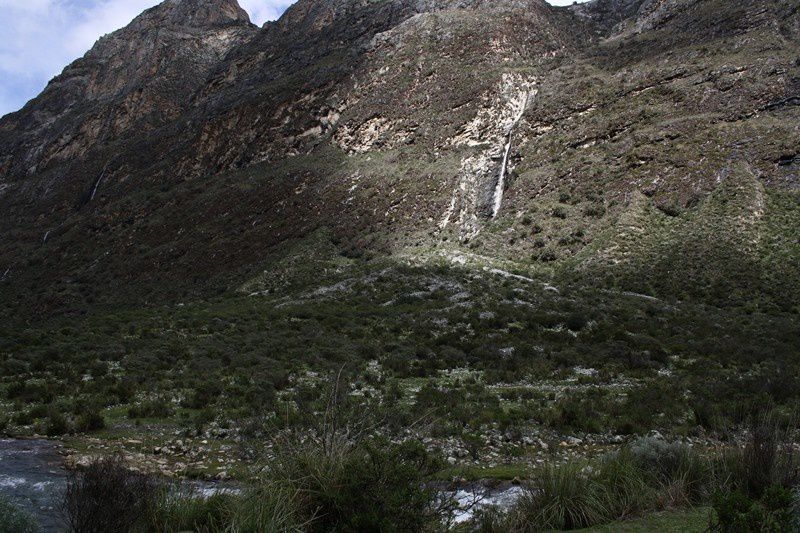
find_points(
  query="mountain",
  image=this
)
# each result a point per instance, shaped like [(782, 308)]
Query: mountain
[(378, 245), (138, 78), (647, 144)]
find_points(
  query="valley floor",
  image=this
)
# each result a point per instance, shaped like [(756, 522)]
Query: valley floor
[(497, 375)]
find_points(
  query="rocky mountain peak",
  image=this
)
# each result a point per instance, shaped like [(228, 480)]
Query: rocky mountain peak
[(193, 13), (608, 13), (138, 77), (313, 15)]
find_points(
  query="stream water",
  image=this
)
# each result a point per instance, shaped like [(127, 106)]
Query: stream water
[(32, 476)]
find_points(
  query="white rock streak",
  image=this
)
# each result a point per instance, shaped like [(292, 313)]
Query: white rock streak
[(481, 183)]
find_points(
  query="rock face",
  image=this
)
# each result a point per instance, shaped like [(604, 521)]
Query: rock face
[(181, 150), (140, 77)]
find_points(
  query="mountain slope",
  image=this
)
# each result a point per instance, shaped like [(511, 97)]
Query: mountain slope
[(513, 130), (514, 234)]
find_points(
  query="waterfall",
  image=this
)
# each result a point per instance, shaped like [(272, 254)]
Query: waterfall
[(99, 180), (480, 185), (501, 180), (96, 186)]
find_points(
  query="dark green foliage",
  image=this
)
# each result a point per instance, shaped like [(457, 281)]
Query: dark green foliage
[(595, 210), (90, 420), (14, 520), (376, 487), (109, 497), (737, 513), (563, 498), (158, 408), (178, 509), (56, 423), (649, 475), (630, 487), (204, 395), (574, 414)]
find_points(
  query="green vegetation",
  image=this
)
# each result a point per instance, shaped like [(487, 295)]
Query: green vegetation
[(496, 370), (685, 521), (333, 480), (14, 520), (654, 476), (313, 301)]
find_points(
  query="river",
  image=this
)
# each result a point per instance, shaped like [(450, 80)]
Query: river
[(33, 477)]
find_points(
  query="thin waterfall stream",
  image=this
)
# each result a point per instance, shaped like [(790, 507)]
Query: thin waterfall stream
[(501, 180)]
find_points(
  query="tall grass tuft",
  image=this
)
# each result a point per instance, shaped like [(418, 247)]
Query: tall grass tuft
[(768, 458), (184, 509), (629, 492), (562, 497), (268, 507)]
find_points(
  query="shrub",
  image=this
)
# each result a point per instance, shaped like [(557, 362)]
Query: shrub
[(56, 423), (492, 519), (205, 394), (670, 208), (108, 497), (90, 420), (658, 455), (159, 408), (268, 507), (767, 459), (626, 485), (178, 509), (341, 479), (369, 487), (796, 509), (682, 475), (574, 413), (548, 256), (595, 210), (736, 512), (14, 520), (562, 497)]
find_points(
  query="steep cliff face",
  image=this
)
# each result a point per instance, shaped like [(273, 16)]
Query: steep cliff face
[(184, 148), (140, 77)]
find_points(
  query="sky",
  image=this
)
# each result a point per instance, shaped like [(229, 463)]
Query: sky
[(38, 38)]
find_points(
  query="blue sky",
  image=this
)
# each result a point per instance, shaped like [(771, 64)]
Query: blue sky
[(38, 38)]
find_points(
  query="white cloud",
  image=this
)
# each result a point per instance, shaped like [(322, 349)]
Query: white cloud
[(263, 10)]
